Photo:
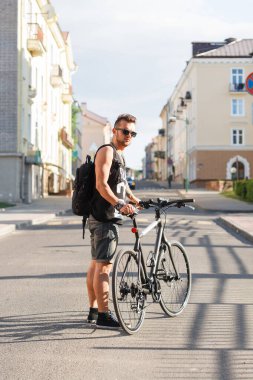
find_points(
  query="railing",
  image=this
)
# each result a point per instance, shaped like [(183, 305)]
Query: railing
[(56, 71), (67, 93), (66, 139), (56, 76), (35, 40), (237, 87), (33, 156), (35, 32), (159, 154)]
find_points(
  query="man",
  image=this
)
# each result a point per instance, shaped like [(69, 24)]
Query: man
[(108, 205)]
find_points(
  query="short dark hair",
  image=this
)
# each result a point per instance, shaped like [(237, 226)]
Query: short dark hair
[(125, 116)]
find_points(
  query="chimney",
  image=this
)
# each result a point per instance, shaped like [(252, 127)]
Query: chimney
[(230, 39)]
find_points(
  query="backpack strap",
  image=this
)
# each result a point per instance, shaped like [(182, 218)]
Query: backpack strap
[(102, 146)]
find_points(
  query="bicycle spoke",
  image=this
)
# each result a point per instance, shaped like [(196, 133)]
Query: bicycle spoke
[(175, 285), (126, 294)]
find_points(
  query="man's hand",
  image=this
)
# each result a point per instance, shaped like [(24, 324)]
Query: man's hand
[(136, 202), (127, 209)]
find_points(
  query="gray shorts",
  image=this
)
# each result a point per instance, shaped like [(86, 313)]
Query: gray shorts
[(104, 240)]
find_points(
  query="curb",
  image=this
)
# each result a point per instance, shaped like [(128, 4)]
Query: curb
[(33, 222), (235, 228), (7, 229), (217, 210)]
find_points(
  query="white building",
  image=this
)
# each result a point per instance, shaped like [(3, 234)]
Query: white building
[(36, 143)]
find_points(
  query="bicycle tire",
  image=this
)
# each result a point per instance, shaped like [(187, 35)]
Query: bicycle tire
[(124, 288), (175, 292)]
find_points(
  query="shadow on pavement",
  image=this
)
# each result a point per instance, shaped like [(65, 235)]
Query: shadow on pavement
[(67, 325)]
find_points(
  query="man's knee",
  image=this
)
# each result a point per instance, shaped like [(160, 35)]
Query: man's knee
[(103, 267)]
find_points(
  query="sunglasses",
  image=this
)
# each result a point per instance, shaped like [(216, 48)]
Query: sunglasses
[(126, 132)]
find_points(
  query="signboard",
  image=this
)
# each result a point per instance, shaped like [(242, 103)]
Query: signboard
[(249, 84)]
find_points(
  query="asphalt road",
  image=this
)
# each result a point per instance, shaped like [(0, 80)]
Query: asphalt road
[(44, 305)]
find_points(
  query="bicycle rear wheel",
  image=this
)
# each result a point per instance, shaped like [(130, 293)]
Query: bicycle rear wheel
[(175, 290), (128, 299)]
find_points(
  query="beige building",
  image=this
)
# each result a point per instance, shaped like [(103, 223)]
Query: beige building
[(96, 131), (155, 158), (209, 116)]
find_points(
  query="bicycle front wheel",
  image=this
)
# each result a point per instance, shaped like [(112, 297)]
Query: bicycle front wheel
[(174, 275), (128, 298)]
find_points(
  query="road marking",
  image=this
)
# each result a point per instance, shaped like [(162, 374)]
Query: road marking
[(183, 222), (143, 220), (203, 222)]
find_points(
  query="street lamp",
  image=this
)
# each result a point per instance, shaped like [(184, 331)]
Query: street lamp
[(173, 119), (233, 171)]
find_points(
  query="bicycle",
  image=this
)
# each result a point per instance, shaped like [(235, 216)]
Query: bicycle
[(169, 278)]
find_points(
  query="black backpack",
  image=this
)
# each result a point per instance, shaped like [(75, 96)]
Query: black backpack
[(83, 187)]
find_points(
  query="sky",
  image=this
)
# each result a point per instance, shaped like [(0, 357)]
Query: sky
[(131, 54)]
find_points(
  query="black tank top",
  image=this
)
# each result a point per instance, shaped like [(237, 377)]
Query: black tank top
[(102, 210)]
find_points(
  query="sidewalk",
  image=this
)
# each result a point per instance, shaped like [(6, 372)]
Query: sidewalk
[(240, 217), (40, 211)]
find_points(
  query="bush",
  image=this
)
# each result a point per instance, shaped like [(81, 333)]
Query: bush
[(240, 187), (249, 187), (244, 189)]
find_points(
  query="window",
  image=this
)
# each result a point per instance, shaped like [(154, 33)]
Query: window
[(237, 137), (237, 76), (237, 107), (237, 80)]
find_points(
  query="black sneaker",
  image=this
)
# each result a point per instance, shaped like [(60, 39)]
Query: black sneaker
[(107, 321), (93, 315)]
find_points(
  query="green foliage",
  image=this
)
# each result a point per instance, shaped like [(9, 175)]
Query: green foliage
[(5, 205), (249, 195), (75, 111), (244, 189)]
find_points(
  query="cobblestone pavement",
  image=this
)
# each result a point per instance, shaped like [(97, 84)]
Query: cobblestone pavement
[(44, 304)]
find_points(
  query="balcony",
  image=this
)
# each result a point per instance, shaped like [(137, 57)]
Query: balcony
[(67, 97), (56, 76), (66, 139), (237, 87), (35, 41), (159, 154), (33, 157)]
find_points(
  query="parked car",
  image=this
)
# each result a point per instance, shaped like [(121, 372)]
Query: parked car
[(131, 182)]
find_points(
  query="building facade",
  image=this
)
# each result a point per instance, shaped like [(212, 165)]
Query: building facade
[(155, 158), (77, 131), (210, 115), (96, 131), (35, 96)]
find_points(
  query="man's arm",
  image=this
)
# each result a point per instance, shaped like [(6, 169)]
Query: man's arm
[(130, 195)]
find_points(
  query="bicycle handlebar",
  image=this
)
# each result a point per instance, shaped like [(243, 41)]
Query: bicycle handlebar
[(166, 203)]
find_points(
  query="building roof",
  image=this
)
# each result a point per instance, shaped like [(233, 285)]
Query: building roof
[(65, 35), (93, 116), (237, 48)]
